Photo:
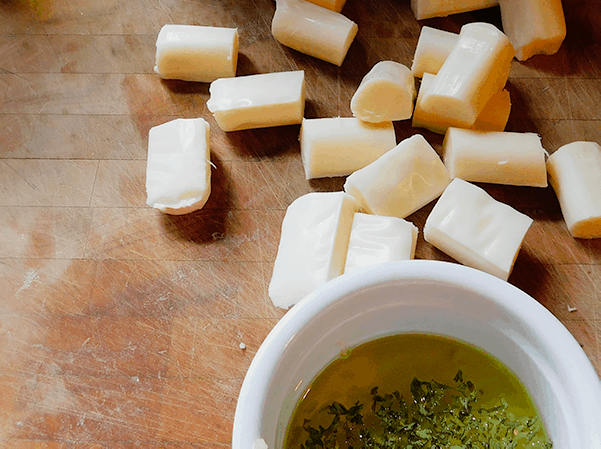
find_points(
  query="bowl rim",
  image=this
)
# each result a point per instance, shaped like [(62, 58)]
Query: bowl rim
[(564, 347)]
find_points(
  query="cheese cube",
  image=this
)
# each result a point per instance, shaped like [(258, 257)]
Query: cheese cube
[(477, 68), (424, 9), (334, 5), (196, 53), (401, 181), (258, 101), (433, 48), (475, 229), (533, 26), (386, 93), (575, 175), (493, 117), (341, 145), (178, 171), (378, 239), (313, 30), (497, 157), (313, 245)]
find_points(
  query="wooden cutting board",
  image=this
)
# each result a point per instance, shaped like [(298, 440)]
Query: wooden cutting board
[(120, 326)]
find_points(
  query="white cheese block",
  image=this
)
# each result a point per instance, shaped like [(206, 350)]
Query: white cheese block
[(313, 245), (401, 181), (258, 101), (424, 9), (178, 170), (477, 68), (533, 26), (509, 158), (196, 53), (341, 145), (386, 93), (313, 30), (379, 239), (433, 48), (575, 175), (493, 117), (475, 229), (334, 5)]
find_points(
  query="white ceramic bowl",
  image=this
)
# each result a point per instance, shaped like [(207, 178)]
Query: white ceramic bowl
[(422, 296)]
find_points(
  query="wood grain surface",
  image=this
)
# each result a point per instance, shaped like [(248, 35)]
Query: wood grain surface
[(119, 326)]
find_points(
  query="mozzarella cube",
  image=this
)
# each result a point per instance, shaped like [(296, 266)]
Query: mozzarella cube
[(378, 239), (424, 9), (497, 157), (334, 5), (258, 101), (341, 145), (401, 181), (475, 229), (313, 245), (178, 170), (433, 48), (196, 53), (575, 175)]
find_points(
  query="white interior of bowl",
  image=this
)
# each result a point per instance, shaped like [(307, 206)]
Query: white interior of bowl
[(422, 296)]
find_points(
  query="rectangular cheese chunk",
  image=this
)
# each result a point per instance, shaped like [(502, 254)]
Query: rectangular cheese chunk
[(377, 239), (509, 158), (424, 9), (341, 145), (401, 181), (477, 68), (575, 175), (475, 229), (178, 170), (196, 53), (334, 5), (258, 101), (433, 48), (533, 26), (313, 245), (386, 93), (493, 117), (313, 30)]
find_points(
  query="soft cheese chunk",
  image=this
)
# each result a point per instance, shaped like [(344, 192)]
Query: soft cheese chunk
[(493, 117), (477, 68), (424, 9), (341, 145), (313, 245), (496, 157), (533, 26), (178, 171), (575, 175), (378, 239), (475, 229), (196, 53), (334, 5), (313, 30), (401, 181), (386, 93), (433, 48), (258, 101)]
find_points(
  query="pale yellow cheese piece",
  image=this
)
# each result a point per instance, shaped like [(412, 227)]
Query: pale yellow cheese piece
[(313, 30), (493, 117), (533, 26), (313, 245), (424, 9), (477, 68), (433, 48), (475, 229), (341, 145), (196, 53), (509, 158), (575, 175), (401, 181), (386, 93), (334, 5), (178, 170), (378, 239), (258, 101)]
